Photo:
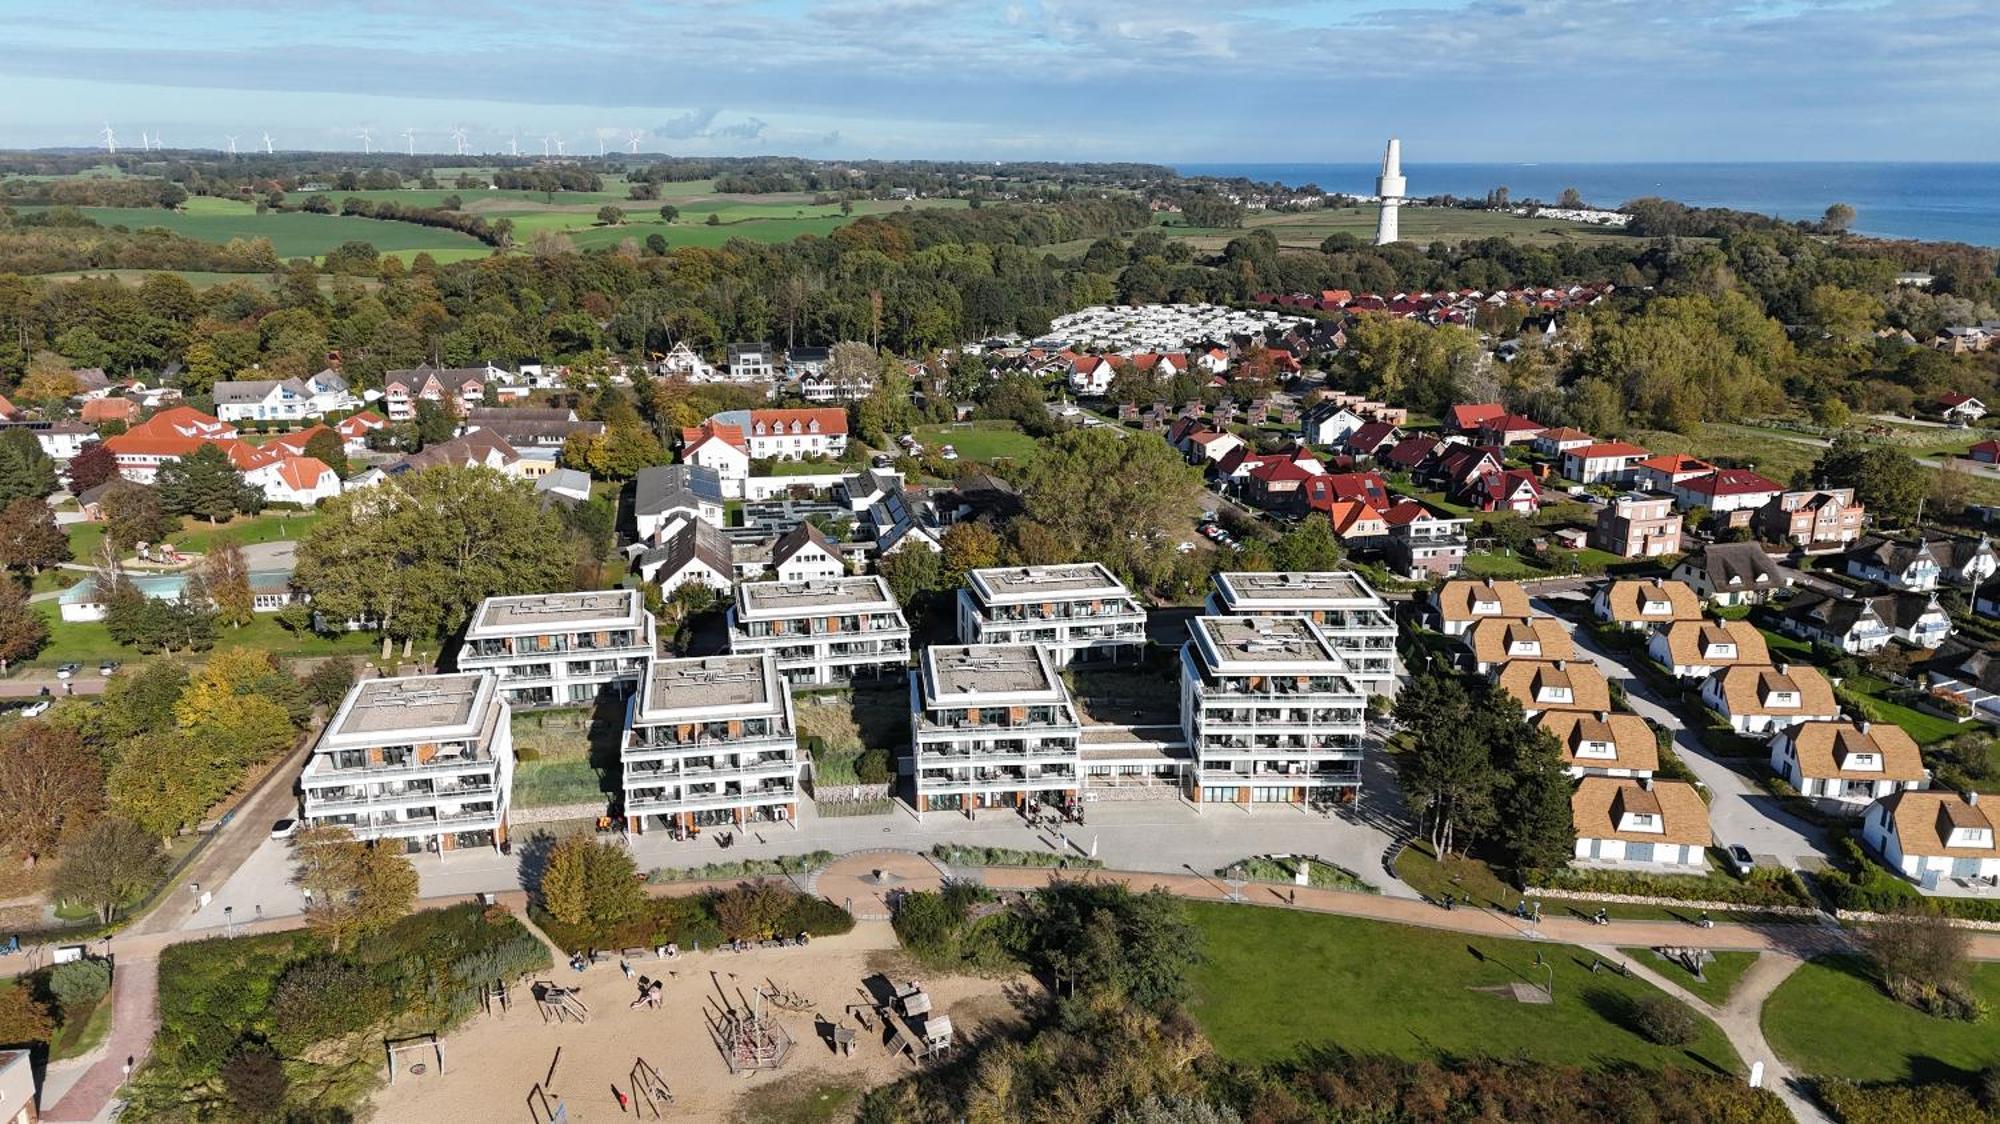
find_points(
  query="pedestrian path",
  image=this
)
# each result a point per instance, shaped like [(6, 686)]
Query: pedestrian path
[(135, 1015)]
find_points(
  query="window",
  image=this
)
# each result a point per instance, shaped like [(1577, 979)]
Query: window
[(1642, 819)]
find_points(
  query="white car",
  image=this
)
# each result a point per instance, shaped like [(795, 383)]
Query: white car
[(285, 828), (947, 452), (36, 709)]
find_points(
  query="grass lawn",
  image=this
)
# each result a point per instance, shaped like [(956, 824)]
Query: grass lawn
[(1473, 883), (1925, 728), (1493, 564), (292, 234), (1374, 987), (803, 1098), (1830, 1019), (271, 526), (1128, 695), (88, 642), (980, 440), (565, 756), (849, 722), (1307, 229), (1723, 974), (77, 1037)]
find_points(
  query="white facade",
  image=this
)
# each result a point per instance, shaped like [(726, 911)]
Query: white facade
[(822, 632), (992, 726), (1350, 614), (711, 741), (559, 649), (1934, 838), (1269, 712), (1078, 611), (427, 760)]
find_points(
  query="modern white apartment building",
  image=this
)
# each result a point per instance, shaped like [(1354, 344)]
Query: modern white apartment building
[(560, 649), (992, 726), (1347, 610), (423, 759), (710, 742), (1270, 713), (1077, 612), (824, 631)]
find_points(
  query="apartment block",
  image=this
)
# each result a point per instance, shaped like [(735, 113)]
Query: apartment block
[(560, 649), (992, 726), (823, 631), (1355, 618), (1270, 713), (424, 760), (1638, 525), (1078, 612), (711, 743)]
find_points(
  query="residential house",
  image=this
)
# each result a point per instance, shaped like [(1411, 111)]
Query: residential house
[(1512, 490), (1422, 543), (1459, 605), (751, 362), (1555, 442), (1360, 525), (789, 434), (1276, 483), (1916, 618), (1639, 822), (721, 449), (1467, 418), (1696, 649), (418, 762), (1542, 685), (1210, 446), (1329, 424), (354, 430), (569, 485), (1090, 375), (992, 726), (1812, 518), (1953, 406), (279, 399), (1849, 624), (1269, 713), (1509, 429), (1660, 472), (63, 439), (822, 630), (1732, 494), (1638, 525), (1896, 563), (1986, 452), (296, 480), (682, 362), (1934, 837), (1640, 603), (664, 491), (1350, 614), (474, 450), (526, 427), (560, 649), (97, 411), (711, 742), (458, 389), (689, 550), (1077, 612), (1607, 462), (1736, 573), (803, 554), (1604, 744), (1851, 764), (1410, 454), (1372, 439), (1763, 700), (1458, 466), (1497, 640)]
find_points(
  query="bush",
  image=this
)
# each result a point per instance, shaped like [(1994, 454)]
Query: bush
[(1766, 886), (24, 1019), (255, 1081), (1898, 1104), (323, 999), (952, 854), (1666, 1021), (79, 984), (927, 923), (873, 766), (746, 868)]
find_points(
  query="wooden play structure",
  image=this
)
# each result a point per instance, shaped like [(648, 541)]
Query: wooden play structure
[(750, 1039), (649, 1089), (559, 1004), (494, 998), (422, 1044)]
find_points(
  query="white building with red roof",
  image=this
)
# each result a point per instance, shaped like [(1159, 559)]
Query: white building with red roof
[(1726, 489), (1607, 462), (354, 430), (789, 434), (1660, 472), (722, 448)]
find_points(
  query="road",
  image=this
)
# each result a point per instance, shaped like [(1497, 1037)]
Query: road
[(1739, 810)]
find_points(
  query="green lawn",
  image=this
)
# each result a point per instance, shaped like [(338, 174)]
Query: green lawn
[(196, 535), (1831, 1019), (1373, 987), (1721, 976), (293, 234), (1925, 728), (88, 642), (77, 1037), (979, 440), (1493, 564)]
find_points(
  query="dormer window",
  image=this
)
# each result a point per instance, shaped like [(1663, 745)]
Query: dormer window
[(1781, 698), (1599, 749), (1657, 608), (1486, 608), (1525, 648), (1868, 761), (1640, 821), (1720, 650), (1555, 693)]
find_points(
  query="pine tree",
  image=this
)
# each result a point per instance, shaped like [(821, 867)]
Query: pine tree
[(25, 471), (202, 484)]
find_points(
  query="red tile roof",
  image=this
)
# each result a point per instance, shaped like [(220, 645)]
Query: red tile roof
[(1471, 416), (1731, 482)]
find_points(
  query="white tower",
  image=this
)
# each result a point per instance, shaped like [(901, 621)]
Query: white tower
[(1389, 188)]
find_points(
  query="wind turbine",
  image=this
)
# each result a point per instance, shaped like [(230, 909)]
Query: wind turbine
[(267, 144), (410, 141), (110, 139), (545, 146), (367, 142), (458, 139), (514, 145), (559, 147), (632, 141), (232, 146), (601, 133)]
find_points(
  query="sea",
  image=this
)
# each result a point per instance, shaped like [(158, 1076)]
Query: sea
[(1939, 202)]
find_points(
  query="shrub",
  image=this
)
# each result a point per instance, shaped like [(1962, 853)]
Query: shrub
[(321, 999), (1665, 1020), (814, 915), (79, 984), (927, 923), (255, 1081), (590, 882), (873, 766), (1898, 1104), (1766, 886), (23, 1018), (953, 854)]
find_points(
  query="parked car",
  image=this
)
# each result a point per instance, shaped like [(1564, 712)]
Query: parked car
[(36, 709), (67, 670), (1740, 859), (285, 828), (883, 460), (107, 667)]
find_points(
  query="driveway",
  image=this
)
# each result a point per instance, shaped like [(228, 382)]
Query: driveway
[(1739, 810)]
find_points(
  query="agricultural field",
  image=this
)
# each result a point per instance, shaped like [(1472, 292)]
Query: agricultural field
[(1305, 230), (292, 234)]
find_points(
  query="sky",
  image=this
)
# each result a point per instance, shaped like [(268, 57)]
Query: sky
[(1167, 81)]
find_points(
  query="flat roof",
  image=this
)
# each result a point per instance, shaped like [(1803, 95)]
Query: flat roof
[(545, 612), (966, 671), (1314, 587), (790, 599), (1026, 583), (738, 683), (1263, 642), (411, 706)]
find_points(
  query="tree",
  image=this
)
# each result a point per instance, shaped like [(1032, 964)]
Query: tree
[(254, 1077), (24, 1019), (1838, 218), (1887, 480), (911, 573), (227, 576), (1922, 959), (165, 782), (327, 684), (715, 219), (1311, 545), (353, 889), (202, 483), (414, 556), (94, 464), (608, 215), (1538, 830), (49, 381), (25, 471), (588, 882), (327, 448), (669, 212), (23, 631), (241, 705), (110, 866), (1571, 200), (968, 546), (134, 514), (1107, 499), (1447, 773), (434, 424), (50, 784)]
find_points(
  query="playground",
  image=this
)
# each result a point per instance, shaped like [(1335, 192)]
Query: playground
[(688, 1037)]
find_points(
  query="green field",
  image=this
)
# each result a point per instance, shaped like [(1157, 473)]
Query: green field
[(979, 440), (88, 642), (1305, 230), (1831, 1019), (1372, 987), (1719, 977), (292, 234)]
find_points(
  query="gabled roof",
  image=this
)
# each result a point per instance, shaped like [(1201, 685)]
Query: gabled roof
[(1470, 415), (1627, 598), (1411, 452), (1526, 680), (1491, 639), (1633, 743), (797, 539), (1599, 804), (1605, 449), (670, 487), (1673, 464), (1694, 643), (1745, 687), (697, 437), (1921, 819), (1731, 482), (1732, 566), (687, 542), (1456, 598), (1824, 748)]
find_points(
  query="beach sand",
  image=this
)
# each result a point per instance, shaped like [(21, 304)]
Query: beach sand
[(492, 1062)]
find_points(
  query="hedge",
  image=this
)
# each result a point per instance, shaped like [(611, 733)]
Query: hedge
[(745, 868), (1765, 886), (1866, 886), (698, 921), (1900, 1104), (954, 854)]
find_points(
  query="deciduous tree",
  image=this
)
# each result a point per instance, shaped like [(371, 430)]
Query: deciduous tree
[(354, 889), (91, 466), (50, 784), (29, 537), (109, 866), (134, 514), (228, 579), (23, 631), (327, 448), (165, 782)]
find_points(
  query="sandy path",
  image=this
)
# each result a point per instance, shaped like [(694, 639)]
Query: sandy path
[(492, 1063)]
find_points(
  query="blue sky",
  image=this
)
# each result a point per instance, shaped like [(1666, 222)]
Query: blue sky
[(1157, 80)]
